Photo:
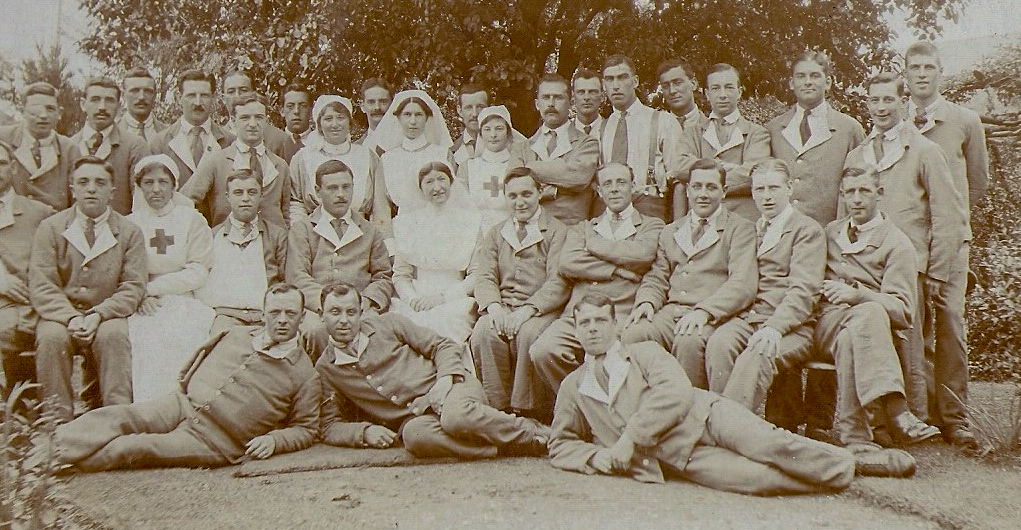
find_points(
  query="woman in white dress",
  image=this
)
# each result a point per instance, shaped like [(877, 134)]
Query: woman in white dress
[(332, 141), (433, 247), (483, 174), (413, 135), (170, 323)]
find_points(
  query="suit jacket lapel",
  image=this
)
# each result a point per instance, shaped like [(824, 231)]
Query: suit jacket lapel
[(179, 145), (105, 240)]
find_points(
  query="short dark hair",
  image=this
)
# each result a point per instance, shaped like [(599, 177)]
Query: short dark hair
[(583, 73), (339, 288), (40, 88), (138, 71), (596, 299), (630, 172), (553, 78), (519, 172), (721, 67), (297, 87), (710, 164), (670, 64), (241, 73), (331, 167), (772, 164), (104, 82), (91, 160), (243, 174), (818, 57), (246, 99), (922, 47), (374, 82), (883, 78), (434, 166), (283, 288), (196, 75), (852, 172), (470, 88), (416, 100), (618, 59)]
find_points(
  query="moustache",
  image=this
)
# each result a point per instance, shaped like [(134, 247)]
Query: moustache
[(376, 113), (199, 108)]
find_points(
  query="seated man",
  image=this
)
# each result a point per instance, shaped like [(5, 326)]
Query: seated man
[(19, 218), (608, 254), (397, 377), (248, 392), (705, 272), (87, 275), (248, 256), (515, 267), (744, 354), (630, 410), (869, 291), (332, 245)]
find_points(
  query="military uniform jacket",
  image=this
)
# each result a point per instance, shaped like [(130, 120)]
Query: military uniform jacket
[(50, 183), (15, 253), (208, 186), (274, 248), (121, 150), (161, 142), (569, 170)]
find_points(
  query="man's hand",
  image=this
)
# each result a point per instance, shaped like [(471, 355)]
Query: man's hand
[(83, 328), (765, 341), (438, 393), (515, 320), (498, 314), (149, 306), (641, 311), (602, 461), (425, 303), (692, 322), (932, 286), (12, 287), (621, 454), (837, 292), (261, 447), (379, 437), (627, 274)]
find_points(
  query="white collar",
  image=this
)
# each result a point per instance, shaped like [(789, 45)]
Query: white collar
[(244, 148), (131, 122), (692, 114), (779, 220), (466, 137), (870, 225), (634, 106), (820, 111), (341, 355), (88, 132), (534, 219), (729, 119), (277, 350), (7, 199), (616, 371), (43, 142), (561, 131), (890, 135), (80, 217), (238, 224), (186, 127), (628, 213), (415, 145), (930, 108), (710, 221), (579, 124), (329, 149), (500, 157)]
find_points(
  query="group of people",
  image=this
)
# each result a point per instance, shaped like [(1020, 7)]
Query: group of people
[(631, 293)]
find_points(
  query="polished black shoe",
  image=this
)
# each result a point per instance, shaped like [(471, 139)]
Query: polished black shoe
[(907, 429), (895, 463), (961, 437)]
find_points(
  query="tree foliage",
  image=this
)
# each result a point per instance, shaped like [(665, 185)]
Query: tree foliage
[(503, 44)]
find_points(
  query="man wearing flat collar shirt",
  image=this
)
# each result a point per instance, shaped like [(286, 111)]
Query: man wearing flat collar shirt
[(677, 84), (208, 186), (705, 272), (562, 158), (297, 113), (194, 136), (471, 99), (608, 254), (588, 99), (237, 85), (644, 139), (103, 138), (376, 98), (921, 200), (139, 97)]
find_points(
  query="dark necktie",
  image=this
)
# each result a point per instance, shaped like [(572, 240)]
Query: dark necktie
[(619, 152), (852, 233), (521, 233), (877, 146), (297, 140), (254, 164), (588, 129), (141, 130), (805, 129), (721, 130), (470, 147), (97, 140), (699, 230), (552, 143), (90, 231), (921, 119), (196, 144), (247, 230), (339, 226), (762, 231), (37, 153), (602, 376)]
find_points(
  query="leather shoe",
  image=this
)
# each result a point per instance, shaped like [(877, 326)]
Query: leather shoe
[(908, 429), (895, 463), (961, 437)]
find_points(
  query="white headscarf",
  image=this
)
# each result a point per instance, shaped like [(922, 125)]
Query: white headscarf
[(501, 111), (389, 133), (138, 198), (320, 105)]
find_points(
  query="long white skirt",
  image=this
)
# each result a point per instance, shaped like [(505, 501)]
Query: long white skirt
[(162, 343), (450, 319)]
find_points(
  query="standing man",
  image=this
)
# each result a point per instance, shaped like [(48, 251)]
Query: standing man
[(562, 158), (677, 84), (209, 183), (608, 254), (959, 133), (405, 380), (471, 99), (921, 200), (88, 274), (249, 255), (515, 268), (705, 272), (139, 97), (19, 218), (43, 157), (376, 98), (297, 113), (250, 392), (728, 137), (642, 138), (194, 136), (102, 138), (238, 84), (588, 99)]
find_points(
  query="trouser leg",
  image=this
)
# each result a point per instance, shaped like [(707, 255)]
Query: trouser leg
[(948, 393), (722, 351), (753, 373), (53, 366), (466, 415), (690, 352), (724, 470), (556, 353), (112, 351), (660, 328), (912, 358), (177, 448), (424, 437), (92, 431), (495, 362), (527, 391)]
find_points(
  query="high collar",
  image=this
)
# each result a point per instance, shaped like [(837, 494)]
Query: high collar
[(416, 144), (729, 119), (80, 216)]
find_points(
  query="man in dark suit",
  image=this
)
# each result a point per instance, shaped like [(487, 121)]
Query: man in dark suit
[(471, 99), (297, 111)]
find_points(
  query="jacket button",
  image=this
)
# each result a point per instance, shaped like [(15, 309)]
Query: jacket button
[(393, 398), (196, 420), (379, 389), (368, 377)]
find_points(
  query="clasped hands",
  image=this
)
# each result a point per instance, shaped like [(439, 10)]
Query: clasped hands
[(507, 322), (614, 459)]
